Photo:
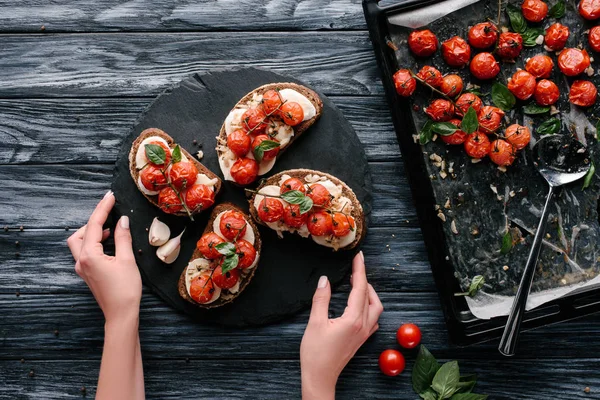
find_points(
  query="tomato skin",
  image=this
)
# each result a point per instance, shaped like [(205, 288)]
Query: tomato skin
[(291, 113), (456, 52), (594, 38), (199, 197), (244, 171), (477, 145), (457, 137), (391, 362), (232, 225), (556, 36), (440, 110), (422, 43), (522, 85), (467, 100), (540, 66), (573, 62), (271, 101), (319, 195), (319, 223), (534, 10), (292, 216), (292, 184), (269, 154), (490, 118), (431, 76), (483, 35), (404, 83), (270, 210), (246, 253), (183, 174), (253, 120), (589, 9), (510, 45), (167, 153), (502, 153), (152, 178), (239, 142), (202, 289), (168, 201), (484, 66), (342, 224), (206, 245), (408, 336), (452, 85), (546, 92), (517, 135), (225, 280), (583, 93)]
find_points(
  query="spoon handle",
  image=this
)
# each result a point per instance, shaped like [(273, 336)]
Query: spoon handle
[(508, 343)]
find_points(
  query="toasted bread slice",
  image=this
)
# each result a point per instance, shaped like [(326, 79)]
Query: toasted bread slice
[(244, 278), (135, 173), (357, 210)]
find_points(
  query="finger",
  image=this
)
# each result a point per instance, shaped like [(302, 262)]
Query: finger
[(357, 297), (105, 234), (75, 241), (375, 307), (320, 304), (365, 313), (123, 246), (93, 233), (374, 329)]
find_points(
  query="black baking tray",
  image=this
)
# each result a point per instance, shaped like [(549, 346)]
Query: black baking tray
[(463, 327)]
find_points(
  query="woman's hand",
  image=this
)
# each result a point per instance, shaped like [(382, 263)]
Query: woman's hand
[(328, 344)]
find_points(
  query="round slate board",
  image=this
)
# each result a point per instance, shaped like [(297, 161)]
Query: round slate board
[(289, 268)]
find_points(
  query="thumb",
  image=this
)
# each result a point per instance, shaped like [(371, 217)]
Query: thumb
[(320, 303), (123, 246)]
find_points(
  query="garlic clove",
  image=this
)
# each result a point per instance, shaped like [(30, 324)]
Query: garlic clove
[(169, 251), (159, 233)]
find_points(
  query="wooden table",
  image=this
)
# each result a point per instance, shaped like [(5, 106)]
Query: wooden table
[(75, 74)]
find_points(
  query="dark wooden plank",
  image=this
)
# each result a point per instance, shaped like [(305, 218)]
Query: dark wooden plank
[(179, 15), (90, 130), (145, 64)]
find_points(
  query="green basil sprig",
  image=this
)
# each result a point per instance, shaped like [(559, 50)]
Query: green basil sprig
[(231, 258), (530, 36), (534, 109), (502, 97), (589, 176), (155, 154), (176, 156), (265, 145), (444, 128), (299, 198), (549, 127), (558, 10), (470, 123), (517, 21), (507, 243), (426, 133), (476, 284)]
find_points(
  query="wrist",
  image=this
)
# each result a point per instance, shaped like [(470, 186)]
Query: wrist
[(318, 388), (122, 321)]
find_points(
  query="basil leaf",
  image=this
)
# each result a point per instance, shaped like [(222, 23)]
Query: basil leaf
[(229, 263), (476, 284), (226, 248), (426, 133), (470, 123), (428, 394), (155, 154), (306, 205), (293, 196), (533, 109), (598, 130), (469, 396), (558, 10), (507, 243), (444, 128), (549, 127), (265, 145), (176, 155), (530, 36), (425, 368), (466, 383), (517, 22), (445, 381), (589, 176), (502, 97)]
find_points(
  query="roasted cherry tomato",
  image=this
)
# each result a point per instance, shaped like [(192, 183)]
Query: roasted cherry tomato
[(292, 216), (556, 36), (490, 118), (271, 101), (244, 171), (183, 174), (254, 121), (517, 135), (391, 362), (522, 85), (468, 100), (319, 195), (342, 224), (292, 184), (456, 52), (457, 137), (452, 85), (589, 9), (168, 201), (477, 145), (199, 197), (404, 82), (167, 153), (291, 113), (239, 142), (422, 43), (510, 45), (534, 10), (484, 66), (270, 210), (483, 35), (540, 66), (246, 253), (502, 153), (269, 154), (431, 76), (573, 61), (594, 38), (319, 223), (232, 225), (440, 110), (225, 280), (207, 245), (152, 178), (583, 93), (408, 336), (202, 289), (546, 93)]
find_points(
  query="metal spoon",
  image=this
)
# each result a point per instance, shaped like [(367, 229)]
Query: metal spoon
[(560, 159)]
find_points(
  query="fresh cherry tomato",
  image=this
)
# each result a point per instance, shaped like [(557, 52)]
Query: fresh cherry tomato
[(168, 201), (556, 36), (484, 66), (502, 153), (319, 223), (510, 45), (239, 142), (404, 82), (292, 184), (456, 52), (431, 76), (319, 195), (225, 280), (422, 43), (573, 61), (199, 197), (408, 336), (342, 224), (207, 245), (517, 135), (391, 362), (183, 174), (589, 9), (292, 216), (477, 145), (246, 253), (540, 66), (271, 101), (546, 93), (583, 93), (594, 38), (458, 137), (254, 121), (452, 85), (440, 110), (490, 118), (244, 171), (152, 178), (232, 224), (291, 113), (522, 85), (202, 289), (167, 153), (483, 35), (270, 210), (466, 101), (534, 10), (269, 154)]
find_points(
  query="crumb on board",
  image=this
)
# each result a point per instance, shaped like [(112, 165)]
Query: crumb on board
[(475, 160), (453, 227), (200, 154), (505, 268)]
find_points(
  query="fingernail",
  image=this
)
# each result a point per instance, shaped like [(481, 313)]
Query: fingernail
[(322, 282), (108, 194), (106, 231), (362, 256), (124, 222)]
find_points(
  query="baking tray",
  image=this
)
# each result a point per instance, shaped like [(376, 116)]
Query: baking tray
[(463, 327)]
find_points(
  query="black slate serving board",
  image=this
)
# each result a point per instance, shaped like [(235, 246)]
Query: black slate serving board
[(289, 268)]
